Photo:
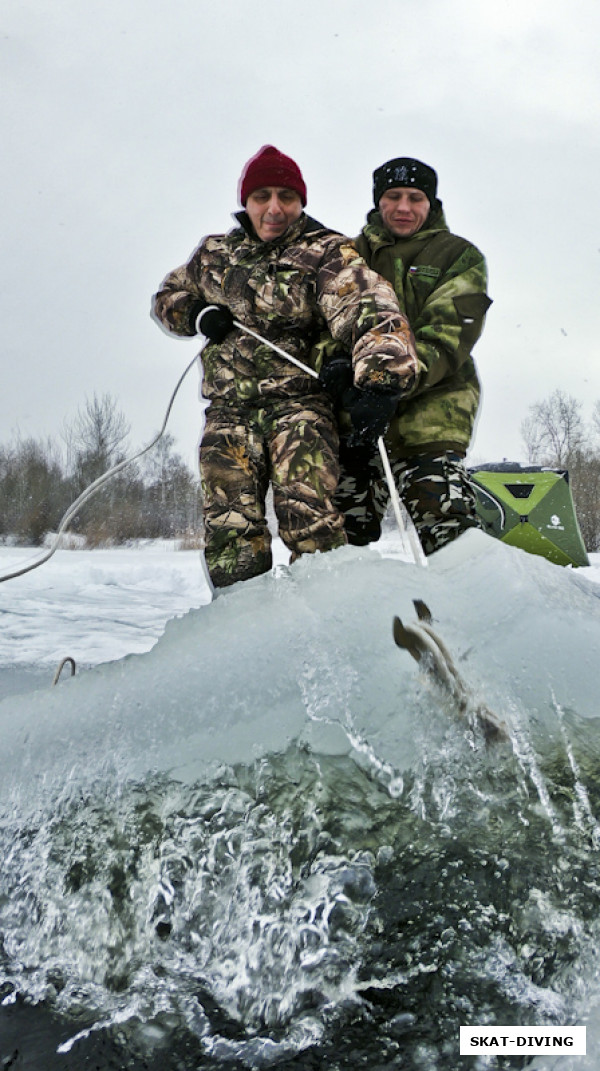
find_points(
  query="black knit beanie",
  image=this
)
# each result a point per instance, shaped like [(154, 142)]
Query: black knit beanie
[(404, 171)]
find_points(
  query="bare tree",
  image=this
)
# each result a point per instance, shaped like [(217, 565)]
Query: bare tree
[(156, 498), (584, 473), (172, 491), (554, 431), (554, 434), (33, 492), (596, 419), (94, 438)]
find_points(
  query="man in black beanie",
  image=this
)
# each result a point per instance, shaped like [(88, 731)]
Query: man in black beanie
[(440, 282)]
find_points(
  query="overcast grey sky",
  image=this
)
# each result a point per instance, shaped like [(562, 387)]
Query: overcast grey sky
[(126, 123)]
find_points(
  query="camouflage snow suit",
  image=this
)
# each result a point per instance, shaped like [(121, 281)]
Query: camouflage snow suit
[(268, 421), (440, 281)]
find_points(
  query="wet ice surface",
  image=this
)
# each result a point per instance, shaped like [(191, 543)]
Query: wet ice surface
[(263, 839)]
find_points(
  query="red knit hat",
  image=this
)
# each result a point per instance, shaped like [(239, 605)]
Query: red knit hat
[(271, 168)]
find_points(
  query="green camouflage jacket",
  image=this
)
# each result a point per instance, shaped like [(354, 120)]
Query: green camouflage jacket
[(440, 282), (290, 291)]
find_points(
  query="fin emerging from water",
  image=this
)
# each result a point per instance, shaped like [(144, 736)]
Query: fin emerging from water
[(422, 642)]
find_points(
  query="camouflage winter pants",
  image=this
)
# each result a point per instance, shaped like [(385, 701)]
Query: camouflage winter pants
[(292, 444), (436, 491)]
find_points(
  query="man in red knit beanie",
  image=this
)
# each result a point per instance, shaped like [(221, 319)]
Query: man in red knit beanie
[(271, 168), (288, 278)]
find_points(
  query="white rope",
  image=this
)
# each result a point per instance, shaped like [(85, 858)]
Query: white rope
[(416, 548), (95, 486), (415, 543)]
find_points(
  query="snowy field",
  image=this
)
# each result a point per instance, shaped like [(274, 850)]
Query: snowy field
[(94, 606)]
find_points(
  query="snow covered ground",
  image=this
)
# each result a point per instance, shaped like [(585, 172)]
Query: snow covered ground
[(95, 605)]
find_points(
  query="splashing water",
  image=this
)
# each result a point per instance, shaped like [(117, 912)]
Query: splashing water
[(311, 861)]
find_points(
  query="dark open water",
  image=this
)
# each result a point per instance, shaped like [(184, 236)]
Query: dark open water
[(294, 914)]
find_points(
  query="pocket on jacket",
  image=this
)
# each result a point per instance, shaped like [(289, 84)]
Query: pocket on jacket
[(471, 310), (282, 292), (472, 306)]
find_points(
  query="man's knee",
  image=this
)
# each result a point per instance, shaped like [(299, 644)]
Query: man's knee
[(232, 555), (304, 477), (440, 499), (358, 497), (362, 527), (308, 523)]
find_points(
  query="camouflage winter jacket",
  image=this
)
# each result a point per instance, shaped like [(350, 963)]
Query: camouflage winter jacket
[(440, 282), (290, 291)]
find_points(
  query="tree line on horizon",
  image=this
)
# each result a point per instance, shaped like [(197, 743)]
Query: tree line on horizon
[(555, 434), (158, 497)]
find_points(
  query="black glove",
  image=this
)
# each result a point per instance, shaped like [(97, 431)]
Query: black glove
[(215, 322), (371, 413), (336, 376)]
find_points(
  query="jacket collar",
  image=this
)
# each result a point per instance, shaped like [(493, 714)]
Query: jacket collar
[(303, 225)]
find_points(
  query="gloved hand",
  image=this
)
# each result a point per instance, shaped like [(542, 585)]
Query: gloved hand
[(371, 413), (336, 376), (214, 322)]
